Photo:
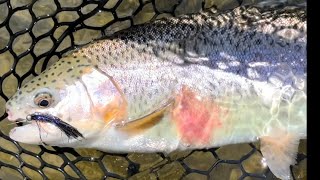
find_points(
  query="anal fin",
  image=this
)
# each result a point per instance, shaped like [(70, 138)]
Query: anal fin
[(280, 152)]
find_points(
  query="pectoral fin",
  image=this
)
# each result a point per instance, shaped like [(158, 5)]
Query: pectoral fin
[(145, 122), (280, 152)]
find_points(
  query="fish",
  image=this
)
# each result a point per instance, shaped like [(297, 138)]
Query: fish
[(190, 82)]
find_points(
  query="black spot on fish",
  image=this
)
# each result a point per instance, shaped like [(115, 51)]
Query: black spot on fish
[(258, 41), (53, 81), (74, 56), (59, 73), (52, 74), (20, 92), (77, 60), (32, 81), (39, 79), (297, 47), (83, 65), (59, 64), (38, 84), (26, 85), (69, 62), (44, 83), (281, 43), (69, 70), (62, 61), (46, 75)]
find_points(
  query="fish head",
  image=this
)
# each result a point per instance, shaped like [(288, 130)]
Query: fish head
[(77, 93)]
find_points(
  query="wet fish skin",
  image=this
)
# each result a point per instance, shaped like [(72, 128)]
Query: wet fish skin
[(248, 66), (243, 37)]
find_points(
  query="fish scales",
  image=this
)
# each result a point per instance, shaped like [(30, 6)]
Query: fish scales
[(195, 81), (191, 46)]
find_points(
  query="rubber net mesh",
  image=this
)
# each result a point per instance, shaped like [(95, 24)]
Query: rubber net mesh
[(36, 33)]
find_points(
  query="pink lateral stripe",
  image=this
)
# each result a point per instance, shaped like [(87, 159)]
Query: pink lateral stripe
[(195, 117)]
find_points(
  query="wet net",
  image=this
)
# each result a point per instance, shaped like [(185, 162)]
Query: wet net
[(36, 33)]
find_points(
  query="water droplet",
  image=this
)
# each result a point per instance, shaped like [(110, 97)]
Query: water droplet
[(264, 162)]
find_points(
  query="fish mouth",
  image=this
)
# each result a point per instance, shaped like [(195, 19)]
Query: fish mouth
[(31, 132), (38, 128), (25, 133), (21, 121)]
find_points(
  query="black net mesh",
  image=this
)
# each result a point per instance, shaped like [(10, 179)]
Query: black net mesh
[(36, 33)]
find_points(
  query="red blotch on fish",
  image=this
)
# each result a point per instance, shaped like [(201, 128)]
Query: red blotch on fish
[(196, 117)]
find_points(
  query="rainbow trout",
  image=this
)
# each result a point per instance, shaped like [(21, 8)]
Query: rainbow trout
[(195, 81)]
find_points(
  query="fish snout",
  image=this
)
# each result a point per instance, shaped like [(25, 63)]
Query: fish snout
[(10, 115)]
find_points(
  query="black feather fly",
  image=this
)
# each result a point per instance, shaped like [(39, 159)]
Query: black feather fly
[(66, 128)]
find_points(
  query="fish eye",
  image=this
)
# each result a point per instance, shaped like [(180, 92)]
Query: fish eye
[(43, 100)]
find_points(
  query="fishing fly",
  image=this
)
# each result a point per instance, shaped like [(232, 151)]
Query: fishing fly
[(66, 128)]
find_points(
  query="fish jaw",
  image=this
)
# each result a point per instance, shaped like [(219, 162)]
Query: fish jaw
[(31, 133), (45, 134)]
